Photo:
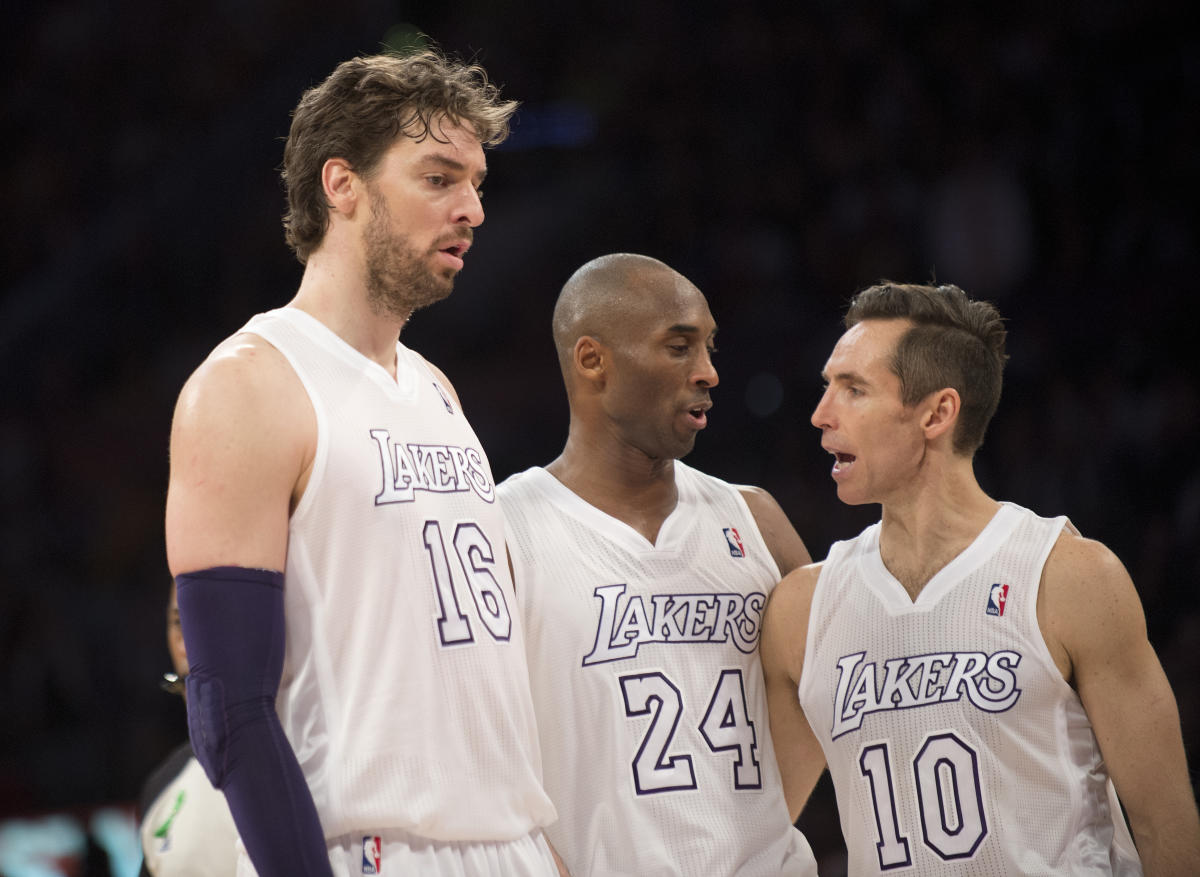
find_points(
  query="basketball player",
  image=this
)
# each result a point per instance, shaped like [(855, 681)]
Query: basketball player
[(975, 674), (642, 582), (358, 686), (186, 827)]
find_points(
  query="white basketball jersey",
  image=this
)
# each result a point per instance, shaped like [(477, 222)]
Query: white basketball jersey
[(647, 682), (405, 692), (954, 743)]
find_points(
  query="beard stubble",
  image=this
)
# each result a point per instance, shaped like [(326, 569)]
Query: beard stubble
[(399, 279)]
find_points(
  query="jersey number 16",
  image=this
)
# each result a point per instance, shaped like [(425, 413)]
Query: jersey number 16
[(475, 559)]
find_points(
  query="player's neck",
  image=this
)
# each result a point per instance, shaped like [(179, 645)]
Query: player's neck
[(635, 490), (926, 529), (339, 300)]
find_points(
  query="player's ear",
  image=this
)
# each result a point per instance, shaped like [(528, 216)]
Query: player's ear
[(590, 358), (338, 181), (941, 412)]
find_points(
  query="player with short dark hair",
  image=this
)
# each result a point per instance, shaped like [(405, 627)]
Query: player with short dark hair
[(978, 677), (642, 583), (358, 685)]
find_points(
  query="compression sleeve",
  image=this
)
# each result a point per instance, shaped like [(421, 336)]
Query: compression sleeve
[(233, 629)]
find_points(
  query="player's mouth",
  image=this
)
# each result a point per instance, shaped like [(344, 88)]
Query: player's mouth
[(697, 415), (454, 253), (842, 463)]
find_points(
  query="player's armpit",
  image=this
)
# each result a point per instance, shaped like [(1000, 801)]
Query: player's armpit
[(243, 436), (784, 543), (1090, 610), (785, 633)]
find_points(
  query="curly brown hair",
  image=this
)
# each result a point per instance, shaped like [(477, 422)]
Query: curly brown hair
[(954, 342), (360, 110)]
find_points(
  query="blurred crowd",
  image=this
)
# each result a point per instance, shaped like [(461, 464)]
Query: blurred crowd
[(782, 156)]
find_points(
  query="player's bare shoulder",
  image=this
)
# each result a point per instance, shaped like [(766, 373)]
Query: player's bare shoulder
[(244, 375), (1075, 555), (793, 596), (784, 543), (1079, 570), (760, 502), (1086, 596), (785, 626), (247, 392), (242, 444)]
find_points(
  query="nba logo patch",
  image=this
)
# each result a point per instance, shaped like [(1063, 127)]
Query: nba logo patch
[(735, 542), (372, 853), (997, 598)]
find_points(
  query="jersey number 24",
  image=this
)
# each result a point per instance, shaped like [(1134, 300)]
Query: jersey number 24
[(726, 727)]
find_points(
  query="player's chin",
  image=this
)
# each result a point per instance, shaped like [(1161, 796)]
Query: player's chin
[(442, 284), (684, 445), (849, 496)]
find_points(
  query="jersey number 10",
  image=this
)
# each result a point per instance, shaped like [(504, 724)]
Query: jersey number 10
[(949, 798)]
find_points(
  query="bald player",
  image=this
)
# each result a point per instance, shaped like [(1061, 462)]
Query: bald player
[(642, 583)]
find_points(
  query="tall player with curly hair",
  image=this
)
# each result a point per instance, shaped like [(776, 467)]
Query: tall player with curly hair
[(358, 685)]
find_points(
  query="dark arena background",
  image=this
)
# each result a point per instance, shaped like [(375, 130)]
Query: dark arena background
[(781, 155)]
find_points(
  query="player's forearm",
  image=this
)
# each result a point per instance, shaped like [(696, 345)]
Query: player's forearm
[(233, 626), (1140, 735), (1169, 845), (269, 798)]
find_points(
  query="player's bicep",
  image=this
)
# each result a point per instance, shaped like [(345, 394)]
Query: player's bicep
[(1136, 720), (237, 451), (797, 750), (1090, 613), (1094, 611)]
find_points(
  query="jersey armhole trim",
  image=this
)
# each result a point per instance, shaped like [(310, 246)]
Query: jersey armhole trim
[(805, 682), (320, 451), (1055, 530)]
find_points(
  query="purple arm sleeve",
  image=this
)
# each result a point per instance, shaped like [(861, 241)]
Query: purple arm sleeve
[(234, 633)]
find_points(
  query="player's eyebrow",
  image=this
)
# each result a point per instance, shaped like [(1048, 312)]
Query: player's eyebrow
[(688, 329), (843, 377), (451, 164)]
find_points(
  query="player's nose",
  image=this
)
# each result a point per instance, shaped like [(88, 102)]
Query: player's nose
[(469, 209), (706, 373), (822, 416)]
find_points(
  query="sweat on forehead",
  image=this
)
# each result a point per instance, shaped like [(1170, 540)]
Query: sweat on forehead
[(615, 294)]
